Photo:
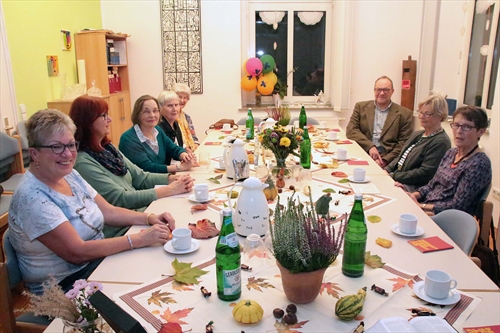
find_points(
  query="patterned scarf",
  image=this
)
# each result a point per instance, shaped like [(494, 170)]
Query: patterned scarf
[(109, 158), (186, 131)]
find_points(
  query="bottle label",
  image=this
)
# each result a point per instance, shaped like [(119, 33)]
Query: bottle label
[(232, 281), (230, 240)]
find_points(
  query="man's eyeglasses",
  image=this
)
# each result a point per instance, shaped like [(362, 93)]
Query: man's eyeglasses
[(149, 112), (423, 115), (379, 90), (464, 127), (59, 148), (104, 116)]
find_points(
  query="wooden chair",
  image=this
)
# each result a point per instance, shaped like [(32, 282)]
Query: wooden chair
[(11, 279), (4, 210), (11, 162)]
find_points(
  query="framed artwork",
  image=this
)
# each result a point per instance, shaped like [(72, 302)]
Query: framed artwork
[(181, 43)]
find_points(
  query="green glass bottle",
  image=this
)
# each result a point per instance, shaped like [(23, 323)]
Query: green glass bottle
[(302, 117), (353, 258), (305, 150), (250, 125), (228, 260)]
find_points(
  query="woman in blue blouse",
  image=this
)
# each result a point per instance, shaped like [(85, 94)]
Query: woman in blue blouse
[(147, 146)]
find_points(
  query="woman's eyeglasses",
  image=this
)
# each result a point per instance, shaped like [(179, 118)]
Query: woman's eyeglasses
[(104, 116), (59, 148), (423, 115), (464, 127)]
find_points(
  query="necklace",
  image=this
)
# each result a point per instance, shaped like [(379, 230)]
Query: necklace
[(454, 164), (433, 133)]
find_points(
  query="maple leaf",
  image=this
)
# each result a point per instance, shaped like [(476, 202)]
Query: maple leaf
[(374, 218), (158, 297), (181, 286), (344, 180), (256, 284), (176, 316), (330, 288), (215, 179), (170, 328), (284, 328), (374, 261), (184, 273), (399, 283)]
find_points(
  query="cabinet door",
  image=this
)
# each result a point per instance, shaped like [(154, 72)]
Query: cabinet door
[(119, 111)]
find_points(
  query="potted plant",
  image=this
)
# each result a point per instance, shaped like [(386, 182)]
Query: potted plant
[(304, 246), (280, 113)]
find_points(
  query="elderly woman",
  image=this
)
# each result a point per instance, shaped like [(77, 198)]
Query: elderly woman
[(147, 146), (56, 218), (419, 159), (185, 122), (113, 175), (464, 172)]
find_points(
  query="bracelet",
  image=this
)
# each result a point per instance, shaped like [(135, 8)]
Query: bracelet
[(147, 218), (423, 206), (178, 167), (130, 242)]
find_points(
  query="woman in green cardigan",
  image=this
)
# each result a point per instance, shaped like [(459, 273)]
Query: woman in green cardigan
[(147, 146)]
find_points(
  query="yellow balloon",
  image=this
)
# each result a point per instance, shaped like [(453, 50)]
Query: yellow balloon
[(264, 85), (271, 76), (248, 83)]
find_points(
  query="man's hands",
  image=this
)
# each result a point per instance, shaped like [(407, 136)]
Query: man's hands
[(373, 152)]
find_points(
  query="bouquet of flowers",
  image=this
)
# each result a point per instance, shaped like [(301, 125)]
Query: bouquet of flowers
[(281, 141), (73, 307)]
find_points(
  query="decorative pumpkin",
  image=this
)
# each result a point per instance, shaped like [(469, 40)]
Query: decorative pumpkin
[(271, 191), (248, 312), (350, 306)]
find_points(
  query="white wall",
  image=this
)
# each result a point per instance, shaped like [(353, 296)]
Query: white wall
[(384, 33)]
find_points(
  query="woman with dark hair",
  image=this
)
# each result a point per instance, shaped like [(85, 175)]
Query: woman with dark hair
[(464, 172), (56, 218), (147, 146), (114, 176)]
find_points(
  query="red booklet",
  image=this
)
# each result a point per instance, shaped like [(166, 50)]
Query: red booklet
[(430, 244), (357, 162), (480, 329), (216, 143)]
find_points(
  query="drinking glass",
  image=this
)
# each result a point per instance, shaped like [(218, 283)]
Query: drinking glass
[(254, 249), (204, 159), (262, 172)]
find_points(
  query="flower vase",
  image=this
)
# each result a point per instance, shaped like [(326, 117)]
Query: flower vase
[(258, 99), (96, 325), (281, 172), (301, 288)]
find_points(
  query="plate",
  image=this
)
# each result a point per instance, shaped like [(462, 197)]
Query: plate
[(351, 179), (331, 139), (192, 198), (452, 298), (418, 232), (195, 245)]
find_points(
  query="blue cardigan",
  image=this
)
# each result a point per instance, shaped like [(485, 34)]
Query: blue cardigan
[(144, 157)]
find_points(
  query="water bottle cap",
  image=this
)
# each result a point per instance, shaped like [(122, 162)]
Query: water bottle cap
[(358, 196)]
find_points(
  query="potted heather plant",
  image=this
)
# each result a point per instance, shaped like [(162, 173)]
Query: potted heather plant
[(280, 113), (304, 246)]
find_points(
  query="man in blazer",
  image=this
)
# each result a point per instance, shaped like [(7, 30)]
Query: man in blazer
[(381, 127)]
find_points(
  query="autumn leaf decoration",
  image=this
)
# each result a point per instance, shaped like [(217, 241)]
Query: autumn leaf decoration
[(374, 261), (256, 284), (284, 328), (215, 179), (173, 320), (331, 289), (158, 297), (399, 283), (184, 273)]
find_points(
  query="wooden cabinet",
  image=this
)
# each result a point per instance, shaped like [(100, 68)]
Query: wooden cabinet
[(94, 48)]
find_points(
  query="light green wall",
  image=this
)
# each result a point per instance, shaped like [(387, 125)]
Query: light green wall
[(33, 32)]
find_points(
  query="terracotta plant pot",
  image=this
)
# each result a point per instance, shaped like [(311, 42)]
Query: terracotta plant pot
[(301, 288)]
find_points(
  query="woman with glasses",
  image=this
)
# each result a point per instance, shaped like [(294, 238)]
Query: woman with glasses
[(464, 172), (147, 146), (114, 176), (56, 218), (419, 159)]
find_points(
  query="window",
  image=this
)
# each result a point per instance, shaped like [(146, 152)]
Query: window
[(484, 53), (297, 35)]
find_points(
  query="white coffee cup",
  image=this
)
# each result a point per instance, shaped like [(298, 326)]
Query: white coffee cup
[(341, 154), (359, 175), (226, 127), (296, 124), (438, 284), (408, 223), (331, 136), (181, 238), (322, 124), (201, 192)]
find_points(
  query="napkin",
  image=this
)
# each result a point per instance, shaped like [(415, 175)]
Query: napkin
[(430, 244), (343, 142), (357, 162), (217, 143)]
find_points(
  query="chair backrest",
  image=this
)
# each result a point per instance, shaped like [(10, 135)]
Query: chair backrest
[(7, 318), (484, 213), (10, 157), (461, 227), (310, 121), (243, 121), (10, 256), (23, 136)]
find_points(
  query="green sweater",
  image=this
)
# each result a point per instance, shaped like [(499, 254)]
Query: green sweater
[(135, 190), (143, 156)]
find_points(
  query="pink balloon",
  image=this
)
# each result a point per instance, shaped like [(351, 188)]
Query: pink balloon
[(254, 66)]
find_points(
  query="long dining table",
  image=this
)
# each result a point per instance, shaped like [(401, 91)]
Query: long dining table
[(130, 276)]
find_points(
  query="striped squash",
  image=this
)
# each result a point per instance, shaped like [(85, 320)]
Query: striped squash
[(348, 307)]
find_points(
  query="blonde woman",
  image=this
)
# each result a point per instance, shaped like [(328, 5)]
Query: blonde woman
[(185, 122)]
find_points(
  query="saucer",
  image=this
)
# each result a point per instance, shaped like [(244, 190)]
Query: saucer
[(418, 232), (351, 179), (192, 198), (453, 296), (331, 139), (195, 245)]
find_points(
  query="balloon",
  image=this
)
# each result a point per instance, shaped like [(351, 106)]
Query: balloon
[(268, 63), (248, 83), (254, 66), (264, 85), (271, 77), (245, 66)]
